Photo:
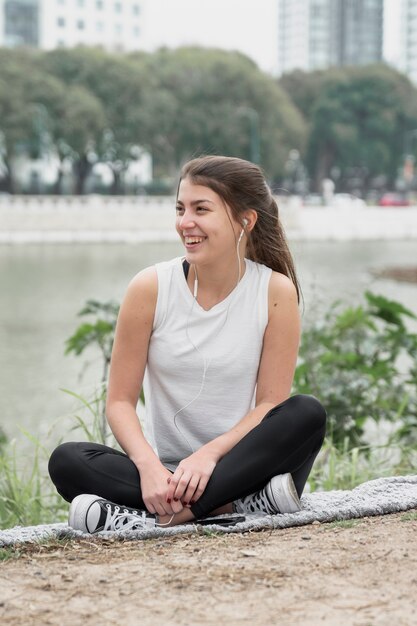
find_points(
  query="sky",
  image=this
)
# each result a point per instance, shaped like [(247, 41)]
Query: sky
[(392, 17), (230, 24), (236, 24)]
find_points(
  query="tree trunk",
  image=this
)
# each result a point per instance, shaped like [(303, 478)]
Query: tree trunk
[(58, 183), (82, 168), (116, 186), (325, 161), (7, 183)]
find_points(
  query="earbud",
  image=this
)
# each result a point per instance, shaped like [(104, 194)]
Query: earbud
[(245, 223)]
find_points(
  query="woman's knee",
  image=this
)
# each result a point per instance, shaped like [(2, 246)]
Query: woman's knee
[(312, 408), (62, 460)]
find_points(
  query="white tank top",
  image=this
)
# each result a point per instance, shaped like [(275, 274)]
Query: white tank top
[(202, 365)]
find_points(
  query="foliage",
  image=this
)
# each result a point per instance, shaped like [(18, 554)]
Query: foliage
[(361, 363), (96, 106), (92, 106), (26, 494), (358, 119), (98, 333), (204, 98), (345, 467), (304, 88), (3, 438), (89, 417)]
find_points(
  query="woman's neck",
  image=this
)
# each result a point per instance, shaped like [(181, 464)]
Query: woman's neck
[(215, 283)]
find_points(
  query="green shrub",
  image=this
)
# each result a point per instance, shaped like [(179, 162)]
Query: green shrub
[(361, 364), (97, 333)]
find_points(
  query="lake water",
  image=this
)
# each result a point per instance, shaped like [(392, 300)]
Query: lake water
[(42, 287)]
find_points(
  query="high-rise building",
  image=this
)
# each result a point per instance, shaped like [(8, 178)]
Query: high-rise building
[(114, 25), (407, 59), (356, 31), (19, 23), (316, 34), (303, 35)]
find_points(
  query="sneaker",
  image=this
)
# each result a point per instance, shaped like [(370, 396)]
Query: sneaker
[(92, 514), (278, 496)]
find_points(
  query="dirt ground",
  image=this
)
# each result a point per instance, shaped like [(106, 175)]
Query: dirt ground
[(362, 572)]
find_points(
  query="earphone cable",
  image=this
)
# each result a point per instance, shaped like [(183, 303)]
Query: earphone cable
[(206, 362)]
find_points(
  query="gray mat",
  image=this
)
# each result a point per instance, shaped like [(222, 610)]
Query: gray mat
[(376, 497)]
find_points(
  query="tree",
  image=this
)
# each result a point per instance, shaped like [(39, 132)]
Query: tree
[(304, 89), (203, 96), (38, 112), (121, 87), (15, 118), (358, 118), (79, 131)]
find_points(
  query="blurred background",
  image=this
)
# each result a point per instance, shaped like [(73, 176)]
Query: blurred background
[(101, 101)]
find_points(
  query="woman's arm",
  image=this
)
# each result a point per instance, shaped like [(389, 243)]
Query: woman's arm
[(128, 362), (275, 376), (277, 364)]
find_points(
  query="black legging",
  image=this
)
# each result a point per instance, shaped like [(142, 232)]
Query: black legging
[(287, 440)]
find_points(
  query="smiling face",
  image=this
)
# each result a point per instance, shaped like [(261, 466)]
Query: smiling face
[(205, 224)]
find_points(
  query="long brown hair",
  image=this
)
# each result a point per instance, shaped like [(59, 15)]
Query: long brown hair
[(242, 186)]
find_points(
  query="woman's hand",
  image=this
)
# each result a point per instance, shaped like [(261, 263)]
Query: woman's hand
[(154, 483), (190, 478)]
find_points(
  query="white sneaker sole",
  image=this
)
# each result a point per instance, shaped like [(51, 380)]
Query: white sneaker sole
[(284, 493), (77, 516)]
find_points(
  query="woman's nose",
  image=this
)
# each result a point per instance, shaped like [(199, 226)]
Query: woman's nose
[(187, 220)]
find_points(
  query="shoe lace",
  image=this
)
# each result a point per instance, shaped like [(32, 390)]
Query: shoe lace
[(124, 519), (256, 502)]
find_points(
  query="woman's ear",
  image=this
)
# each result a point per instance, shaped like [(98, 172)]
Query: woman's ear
[(249, 220)]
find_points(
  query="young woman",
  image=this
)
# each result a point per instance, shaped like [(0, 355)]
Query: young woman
[(213, 338)]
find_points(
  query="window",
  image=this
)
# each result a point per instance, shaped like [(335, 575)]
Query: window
[(80, 24), (136, 9), (61, 22), (99, 4), (81, 3), (118, 29), (118, 7), (99, 27), (136, 31)]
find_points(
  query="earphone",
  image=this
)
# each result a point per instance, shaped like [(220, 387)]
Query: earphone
[(245, 223)]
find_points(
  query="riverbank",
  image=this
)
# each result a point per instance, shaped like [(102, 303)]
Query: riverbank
[(100, 219)]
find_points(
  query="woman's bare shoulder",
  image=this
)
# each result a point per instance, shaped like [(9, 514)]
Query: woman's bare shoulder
[(142, 291), (145, 280), (281, 287)]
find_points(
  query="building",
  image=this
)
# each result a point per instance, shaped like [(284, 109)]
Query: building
[(279, 35), (356, 32), (317, 34), (111, 24), (19, 23), (303, 35), (407, 57)]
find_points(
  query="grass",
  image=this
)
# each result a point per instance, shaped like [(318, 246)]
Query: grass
[(349, 467), (7, 554), (344, 523), (410, 516), (26, 494), (48, 545)]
